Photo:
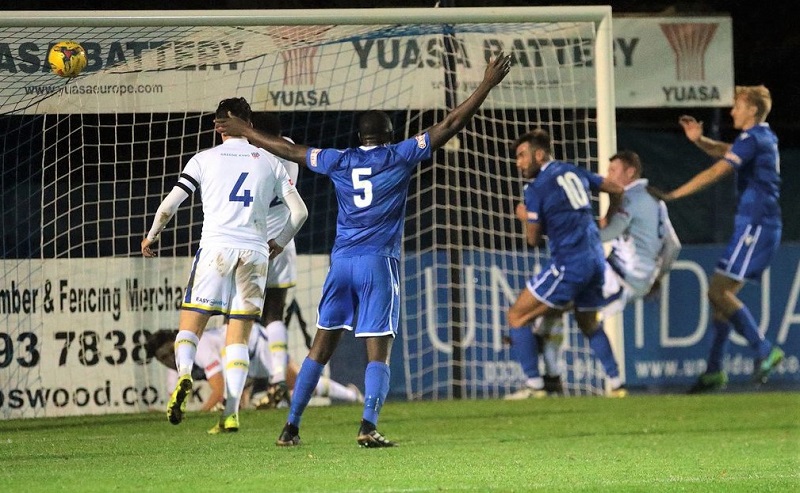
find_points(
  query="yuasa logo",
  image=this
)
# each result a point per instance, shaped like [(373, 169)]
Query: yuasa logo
[(300, 61), (689, 42)]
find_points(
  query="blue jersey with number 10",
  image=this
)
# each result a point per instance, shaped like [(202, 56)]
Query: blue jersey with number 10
[(559, 200), (371, 186)]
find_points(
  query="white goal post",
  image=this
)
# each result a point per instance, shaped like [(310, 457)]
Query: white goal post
[(87, 160)]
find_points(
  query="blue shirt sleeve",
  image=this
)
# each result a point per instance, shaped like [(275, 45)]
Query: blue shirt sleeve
[(742, 150), (532, 203), (594, 179), (322, 161), (415, 149)]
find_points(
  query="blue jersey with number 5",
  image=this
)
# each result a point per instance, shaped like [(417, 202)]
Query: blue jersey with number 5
[(371, 185), (559, 199)]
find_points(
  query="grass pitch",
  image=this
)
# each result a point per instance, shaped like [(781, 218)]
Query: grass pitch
[(725, 442)]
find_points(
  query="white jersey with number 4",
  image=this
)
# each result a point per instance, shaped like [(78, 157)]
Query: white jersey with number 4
[(238, 181)]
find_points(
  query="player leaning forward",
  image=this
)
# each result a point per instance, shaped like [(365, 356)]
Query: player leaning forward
[(237, 182)]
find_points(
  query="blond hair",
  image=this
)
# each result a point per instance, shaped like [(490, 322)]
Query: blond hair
[(757, 96)]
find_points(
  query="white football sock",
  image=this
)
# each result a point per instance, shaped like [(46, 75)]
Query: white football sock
[(237, 363), (185, 348), (278, 338)]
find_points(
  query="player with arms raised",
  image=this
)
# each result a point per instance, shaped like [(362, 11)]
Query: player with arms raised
[(362, 289)]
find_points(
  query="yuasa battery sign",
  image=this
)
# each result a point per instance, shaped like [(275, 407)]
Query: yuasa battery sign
[(659, 61)]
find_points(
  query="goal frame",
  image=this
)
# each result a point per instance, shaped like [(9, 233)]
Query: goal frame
[(600, 16)]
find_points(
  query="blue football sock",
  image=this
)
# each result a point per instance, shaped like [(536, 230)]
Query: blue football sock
[(376, 388), (525, 350), (304, 386), (601, 347), (744, 323), (719, 345)]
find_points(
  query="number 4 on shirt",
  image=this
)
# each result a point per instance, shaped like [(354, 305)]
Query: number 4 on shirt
[(245, 196)]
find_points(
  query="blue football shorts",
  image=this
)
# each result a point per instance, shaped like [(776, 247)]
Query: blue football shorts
[(361, 293), (750, 250), (579, 280)]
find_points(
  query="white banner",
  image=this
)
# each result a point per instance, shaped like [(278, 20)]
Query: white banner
[(673, 61), (72, 332), (660, 62)]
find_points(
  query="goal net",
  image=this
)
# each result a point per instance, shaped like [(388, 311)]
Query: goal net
[(86, 161)]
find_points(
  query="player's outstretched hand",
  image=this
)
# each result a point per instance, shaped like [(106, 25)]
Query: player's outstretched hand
[(233, 126), (146, 250), (497, 69), (692, 128)]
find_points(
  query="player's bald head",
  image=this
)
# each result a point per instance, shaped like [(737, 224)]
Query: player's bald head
[(375, 127)]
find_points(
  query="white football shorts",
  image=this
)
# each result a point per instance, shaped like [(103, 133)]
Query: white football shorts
[(283, 268), (227, 281)]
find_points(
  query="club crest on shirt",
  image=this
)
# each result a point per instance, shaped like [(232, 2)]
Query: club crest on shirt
[(421, 141), (313, 157)]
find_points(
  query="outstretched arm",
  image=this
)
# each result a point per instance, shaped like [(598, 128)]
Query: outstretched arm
[(694, 132), (613, 190), (458, 118), (701, 180), (236, 127)]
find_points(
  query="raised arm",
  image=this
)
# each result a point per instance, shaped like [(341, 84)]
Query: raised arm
[(694, 132), (236, 127), (461, 115), (701, 180)]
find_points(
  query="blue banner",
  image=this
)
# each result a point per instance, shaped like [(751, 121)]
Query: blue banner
[(666, 340)]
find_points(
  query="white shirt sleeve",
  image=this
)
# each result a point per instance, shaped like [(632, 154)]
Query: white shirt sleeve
[(616, 225), (166, 210), (298, 213)]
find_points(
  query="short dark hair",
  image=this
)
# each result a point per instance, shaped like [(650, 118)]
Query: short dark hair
[(237, 107), (376, 125), (537, 139), (269, 123), (630, 160)]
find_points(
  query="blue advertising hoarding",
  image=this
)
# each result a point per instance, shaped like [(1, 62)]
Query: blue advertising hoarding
[(665, 340)]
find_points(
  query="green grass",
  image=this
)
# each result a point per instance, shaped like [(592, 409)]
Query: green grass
[(727, 443)]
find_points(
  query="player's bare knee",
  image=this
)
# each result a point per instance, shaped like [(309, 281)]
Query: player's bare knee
[(716, 296)]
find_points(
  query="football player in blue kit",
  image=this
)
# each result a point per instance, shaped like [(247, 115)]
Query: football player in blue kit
[(362, 288), (754, 158), (557, 203)]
